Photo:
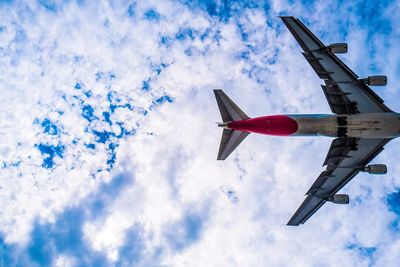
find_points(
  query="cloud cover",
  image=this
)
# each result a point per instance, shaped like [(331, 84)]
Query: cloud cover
[(108, 144)]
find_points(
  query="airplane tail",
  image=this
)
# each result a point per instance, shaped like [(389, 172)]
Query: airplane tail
[(229, 112)]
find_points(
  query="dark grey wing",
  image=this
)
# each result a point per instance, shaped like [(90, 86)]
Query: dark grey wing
[(343, 90), (345, 158)]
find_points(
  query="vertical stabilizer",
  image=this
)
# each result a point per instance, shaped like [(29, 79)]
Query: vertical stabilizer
[(229, 112)]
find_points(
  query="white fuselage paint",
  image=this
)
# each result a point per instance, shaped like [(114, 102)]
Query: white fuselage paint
[(363, 125)]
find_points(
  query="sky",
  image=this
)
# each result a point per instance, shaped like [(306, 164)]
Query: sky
[(108, 138)]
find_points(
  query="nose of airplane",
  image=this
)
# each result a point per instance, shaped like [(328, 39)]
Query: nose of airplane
[(278, 125)]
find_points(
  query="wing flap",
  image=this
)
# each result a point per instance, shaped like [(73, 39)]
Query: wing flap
[(309, 206)]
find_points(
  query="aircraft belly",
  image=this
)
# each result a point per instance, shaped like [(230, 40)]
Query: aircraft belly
[(325, 125), (373, 125), (363, 125)]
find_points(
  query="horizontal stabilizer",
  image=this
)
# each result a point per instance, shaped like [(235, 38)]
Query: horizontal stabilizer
[(229, 110), (229, 141)]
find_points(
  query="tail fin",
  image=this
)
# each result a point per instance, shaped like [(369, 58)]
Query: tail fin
[(229, 112)]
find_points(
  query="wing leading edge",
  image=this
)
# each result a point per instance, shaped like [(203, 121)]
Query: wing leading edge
[(345, 93)]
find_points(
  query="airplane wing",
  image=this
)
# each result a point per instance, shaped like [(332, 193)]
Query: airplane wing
[(345, 93), (345, 159)]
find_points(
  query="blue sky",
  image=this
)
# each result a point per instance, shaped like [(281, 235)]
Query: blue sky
[(108, 143)]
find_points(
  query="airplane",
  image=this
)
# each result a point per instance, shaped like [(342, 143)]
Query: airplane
[(361, 124)]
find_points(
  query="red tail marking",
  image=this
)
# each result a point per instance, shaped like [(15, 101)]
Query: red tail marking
[(279, 125)]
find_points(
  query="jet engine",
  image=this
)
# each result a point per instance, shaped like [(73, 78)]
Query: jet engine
[(376, 169), (377, 80), (339, 199), (337, 48)]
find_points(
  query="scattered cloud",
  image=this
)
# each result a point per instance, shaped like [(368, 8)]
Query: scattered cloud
[(108, 144)]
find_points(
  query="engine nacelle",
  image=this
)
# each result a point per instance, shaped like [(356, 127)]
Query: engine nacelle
[(376, 169), (339, 199), (377, 80), (337, 48)]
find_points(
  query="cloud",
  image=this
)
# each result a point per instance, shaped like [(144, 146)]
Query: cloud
[(108, 144)]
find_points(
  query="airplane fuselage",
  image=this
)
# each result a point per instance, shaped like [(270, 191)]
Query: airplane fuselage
[(362, 125)]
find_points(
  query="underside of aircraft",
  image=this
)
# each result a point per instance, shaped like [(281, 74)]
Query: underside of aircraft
[(361, 124)]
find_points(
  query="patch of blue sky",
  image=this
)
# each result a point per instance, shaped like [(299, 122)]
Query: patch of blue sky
[(204, 35), (393, 202), (371, 15), (98, 202), (189, 51), (77, 86), (232, 196), (91, 146), (271, 59), (88, 113), (88, 93), (185, 232), (243, 34), (165, 41), (65, 235), (256, 73), (6, 253), (131, 10), (220, 9), (107, 76), (185, 34), (159, 101), (114, 102), (10, 164), (20, 37), (193, 226), (152, 15), (112, 155), (106, 116), (50, 152), (77, 58), (99, 75), (146, 85), (217, 36), (163, 99), (6, 1), (103, 136), (224, 10), (244, 55), (214, 34), (193, 51), (141, 110), (130, 253), (49, 127), (124, 131), (49, 5), (158, 68), (366, 252)]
